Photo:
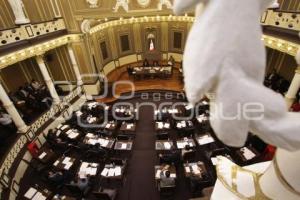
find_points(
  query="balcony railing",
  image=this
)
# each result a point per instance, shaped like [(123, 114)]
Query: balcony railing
[(30, 31), (281, 19)]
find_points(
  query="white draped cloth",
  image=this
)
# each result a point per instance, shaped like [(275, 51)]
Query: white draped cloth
[(225, 54)]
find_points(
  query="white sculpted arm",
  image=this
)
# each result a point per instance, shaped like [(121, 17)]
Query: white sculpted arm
[(224, 53)]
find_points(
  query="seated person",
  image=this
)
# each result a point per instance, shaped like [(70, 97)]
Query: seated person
[(6, 121), (172, 157), (35, 84), (50, 137), (23, 93), (15, 99), (56, 177), (186, 150), (81, 183), (166, 180)]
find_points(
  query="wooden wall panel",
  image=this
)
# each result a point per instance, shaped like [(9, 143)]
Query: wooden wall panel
[(7, 18), (55, 69), (284, 64), (13, 76)]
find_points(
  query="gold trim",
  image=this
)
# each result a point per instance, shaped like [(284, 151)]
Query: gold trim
[(259, 195), (38, 49)]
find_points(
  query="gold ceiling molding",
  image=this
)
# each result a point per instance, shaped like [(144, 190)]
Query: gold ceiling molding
[(145, 19), (284, 46), (38, 49)]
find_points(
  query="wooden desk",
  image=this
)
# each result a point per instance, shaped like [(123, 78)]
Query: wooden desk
[(72, 134), (92, 139), (182, 125), (163, 145), (185, 142), (194, 169), (111, 126), (123, 145), (205, 139), (128, 128), (202, 119), (152, 71), (87, 169), (45, 155), (36, 194), (63, 197), (64, 163), (162, 126), (163, 168), (112, 172)]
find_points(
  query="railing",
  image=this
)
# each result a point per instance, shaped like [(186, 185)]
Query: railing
[(281, 19), (29, 31), (12, 154)]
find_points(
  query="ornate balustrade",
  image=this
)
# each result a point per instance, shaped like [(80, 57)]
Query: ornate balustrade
[(281, 19), (30, 31)]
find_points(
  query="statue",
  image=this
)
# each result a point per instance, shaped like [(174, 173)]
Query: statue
[(123, 4), (17, 7), (92, 3), (167, 3), (224, 54), (274, 5)]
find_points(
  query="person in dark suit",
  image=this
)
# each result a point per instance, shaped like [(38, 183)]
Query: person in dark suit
[(166, 180), (81, 183), (56, 177)]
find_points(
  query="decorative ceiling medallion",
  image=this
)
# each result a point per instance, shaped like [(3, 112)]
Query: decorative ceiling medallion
[(144, 3), (92, 3)]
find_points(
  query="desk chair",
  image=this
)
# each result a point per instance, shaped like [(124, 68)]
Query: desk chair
[(167, 192), (189, 156), (123, 137), (75, 191), (162, 136), (105, 194)]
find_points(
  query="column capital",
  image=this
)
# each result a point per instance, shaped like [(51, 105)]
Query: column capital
[(40, 58)]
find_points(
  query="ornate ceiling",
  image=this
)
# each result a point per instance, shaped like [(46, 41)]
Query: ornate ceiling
[(103, 10)]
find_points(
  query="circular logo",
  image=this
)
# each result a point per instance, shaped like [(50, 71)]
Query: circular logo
[(144, 3)]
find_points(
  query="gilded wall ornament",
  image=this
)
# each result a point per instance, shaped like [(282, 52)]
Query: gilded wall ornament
[(144, 3), (92, 3)]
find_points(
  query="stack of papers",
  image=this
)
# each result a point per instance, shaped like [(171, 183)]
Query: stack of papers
[(42, 155), (247, 153), (124, 146), (195, 169), (30, 193), (187, 169), (206, 139), (90, 135), (88, 169), (160, 125), (167, 145), (73, 135), (39, 196), (109, 172), (157, 175)]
